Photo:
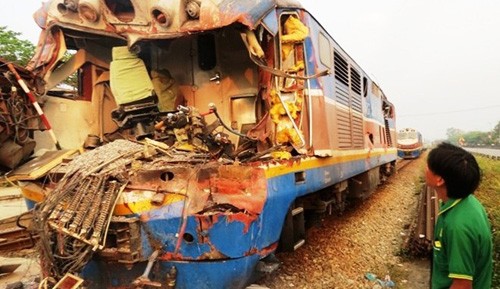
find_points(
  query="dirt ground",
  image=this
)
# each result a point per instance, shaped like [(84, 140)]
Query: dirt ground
[(11, 204), (366, 241), (27, 272)]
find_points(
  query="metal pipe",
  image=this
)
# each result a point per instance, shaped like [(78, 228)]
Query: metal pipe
[(35, 104), (151, 261)]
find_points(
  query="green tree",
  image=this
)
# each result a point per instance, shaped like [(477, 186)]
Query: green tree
[(21, 51), (495, 134), (454, 134), (14, 49), (476, 138)]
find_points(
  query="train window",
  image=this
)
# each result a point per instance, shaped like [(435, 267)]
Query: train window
[(325, 50), (355, 81), (340, 66), (376, 90), (388, 111), (243, 110), (206, 52), (76, 85)]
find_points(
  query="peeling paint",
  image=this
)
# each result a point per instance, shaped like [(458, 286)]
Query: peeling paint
[(205, 186)]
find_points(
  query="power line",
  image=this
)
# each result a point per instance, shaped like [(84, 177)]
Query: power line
[(450, 111)]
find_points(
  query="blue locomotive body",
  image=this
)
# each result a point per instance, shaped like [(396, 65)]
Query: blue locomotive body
[(234, 119)]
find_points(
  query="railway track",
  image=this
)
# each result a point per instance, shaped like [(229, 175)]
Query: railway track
[(420, 241), (15, 235), (401, 163)]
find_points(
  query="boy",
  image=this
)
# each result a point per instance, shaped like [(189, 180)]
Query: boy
[(462, 254)]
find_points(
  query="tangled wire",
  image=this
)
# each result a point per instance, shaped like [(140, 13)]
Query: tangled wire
[(72, 221)]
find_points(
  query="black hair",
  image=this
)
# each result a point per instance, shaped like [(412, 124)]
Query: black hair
[(457, 167)]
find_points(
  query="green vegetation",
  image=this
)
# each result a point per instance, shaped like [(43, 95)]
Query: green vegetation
[(489, 194), (14, 49), (474, 138), (21, 51)]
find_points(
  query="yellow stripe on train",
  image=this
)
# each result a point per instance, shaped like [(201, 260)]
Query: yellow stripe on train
[(274, 170)]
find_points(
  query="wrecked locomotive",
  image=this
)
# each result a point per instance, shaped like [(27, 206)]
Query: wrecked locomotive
[(211, 129)]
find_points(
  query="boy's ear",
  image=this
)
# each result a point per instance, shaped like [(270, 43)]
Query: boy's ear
[(439, 181)]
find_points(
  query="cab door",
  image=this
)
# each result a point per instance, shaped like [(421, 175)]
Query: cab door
[(228, 78), (206, 75)]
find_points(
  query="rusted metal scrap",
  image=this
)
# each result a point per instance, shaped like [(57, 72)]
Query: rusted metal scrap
[(16, 233), (18, 117)]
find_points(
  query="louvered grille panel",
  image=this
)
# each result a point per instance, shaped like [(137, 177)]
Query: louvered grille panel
[(358, 142), (350, 105), (340, 66), (356, 103), (358, 119), (355, 81), (343, 129), (345, 142), (357, 131), (342, 95)]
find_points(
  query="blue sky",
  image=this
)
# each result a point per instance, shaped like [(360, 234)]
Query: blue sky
[(437, 61)]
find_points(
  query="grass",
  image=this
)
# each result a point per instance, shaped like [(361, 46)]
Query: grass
[(489, 194)]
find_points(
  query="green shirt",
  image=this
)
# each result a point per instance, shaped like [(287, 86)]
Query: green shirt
[(462, 244)]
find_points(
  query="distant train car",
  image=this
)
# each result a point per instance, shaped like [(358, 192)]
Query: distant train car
[(213, 128), (410, 144)]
